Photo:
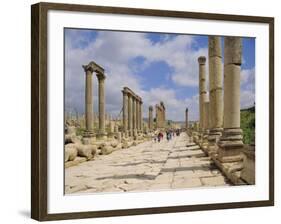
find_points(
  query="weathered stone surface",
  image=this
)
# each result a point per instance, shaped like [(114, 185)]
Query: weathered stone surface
[(86, 150), (70, 152), (144, 167), (107, 150)]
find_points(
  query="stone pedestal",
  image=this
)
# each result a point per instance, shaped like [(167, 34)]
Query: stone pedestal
[(230, 143)]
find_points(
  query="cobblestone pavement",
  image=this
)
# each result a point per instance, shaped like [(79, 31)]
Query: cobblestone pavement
[(147, 166)]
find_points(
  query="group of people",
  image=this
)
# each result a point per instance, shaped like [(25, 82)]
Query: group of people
[(169, 135)]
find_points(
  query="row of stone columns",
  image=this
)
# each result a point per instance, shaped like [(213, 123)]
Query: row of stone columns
[(89, 108), (220, 116), (132, 112)]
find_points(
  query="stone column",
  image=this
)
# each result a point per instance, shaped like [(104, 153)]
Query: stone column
[(206, 116), (101, 78), (150, 118), (137, 113), (215, 92), (130, 114), (125, 111), (157, 115), (202, 89), (134, 114), (186, 119), (89, 101), (141, 120), (230, 143)]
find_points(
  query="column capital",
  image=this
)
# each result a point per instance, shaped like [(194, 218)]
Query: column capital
[(150, 108), (186, 110), (101, 76), (93, 67), (202, 60), (87, 68)]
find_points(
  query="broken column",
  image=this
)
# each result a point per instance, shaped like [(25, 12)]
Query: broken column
[(215, 92), (230, 143)]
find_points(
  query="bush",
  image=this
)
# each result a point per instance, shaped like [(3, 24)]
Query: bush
[(248, 125)]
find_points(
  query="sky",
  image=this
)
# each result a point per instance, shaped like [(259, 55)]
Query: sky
[(156, 66)]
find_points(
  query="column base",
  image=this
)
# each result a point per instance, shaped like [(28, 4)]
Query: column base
[(101, 135), (230, 145), (213, 138), (88, 134)]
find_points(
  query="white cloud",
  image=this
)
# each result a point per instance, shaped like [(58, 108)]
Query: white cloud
[(114, 51), (247, 86)]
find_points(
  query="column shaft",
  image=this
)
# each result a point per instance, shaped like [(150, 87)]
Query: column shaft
[(125, 111), (230, 143), (101, 105), (88, 101), (215, 81), (202, 89), (186, 119), (130, 113)]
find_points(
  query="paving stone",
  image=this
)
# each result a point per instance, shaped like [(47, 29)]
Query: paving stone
[(146, 166)]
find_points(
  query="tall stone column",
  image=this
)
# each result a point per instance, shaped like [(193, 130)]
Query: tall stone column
[(202, 89), (137, 113), (230, 143), (101, 79), (134, 114), (157, 115), (89, 101), (130, 114), (125, 111), (215, 93), (186, 119), (141, 119), (150, 118)]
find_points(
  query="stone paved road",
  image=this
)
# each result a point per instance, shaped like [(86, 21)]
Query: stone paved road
[(147, 166)]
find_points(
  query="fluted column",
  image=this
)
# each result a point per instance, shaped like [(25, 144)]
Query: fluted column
[(202, 89), (88, 101), (150, 118), (215, 93), (125, 111), (101, 79), (230, 143)]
